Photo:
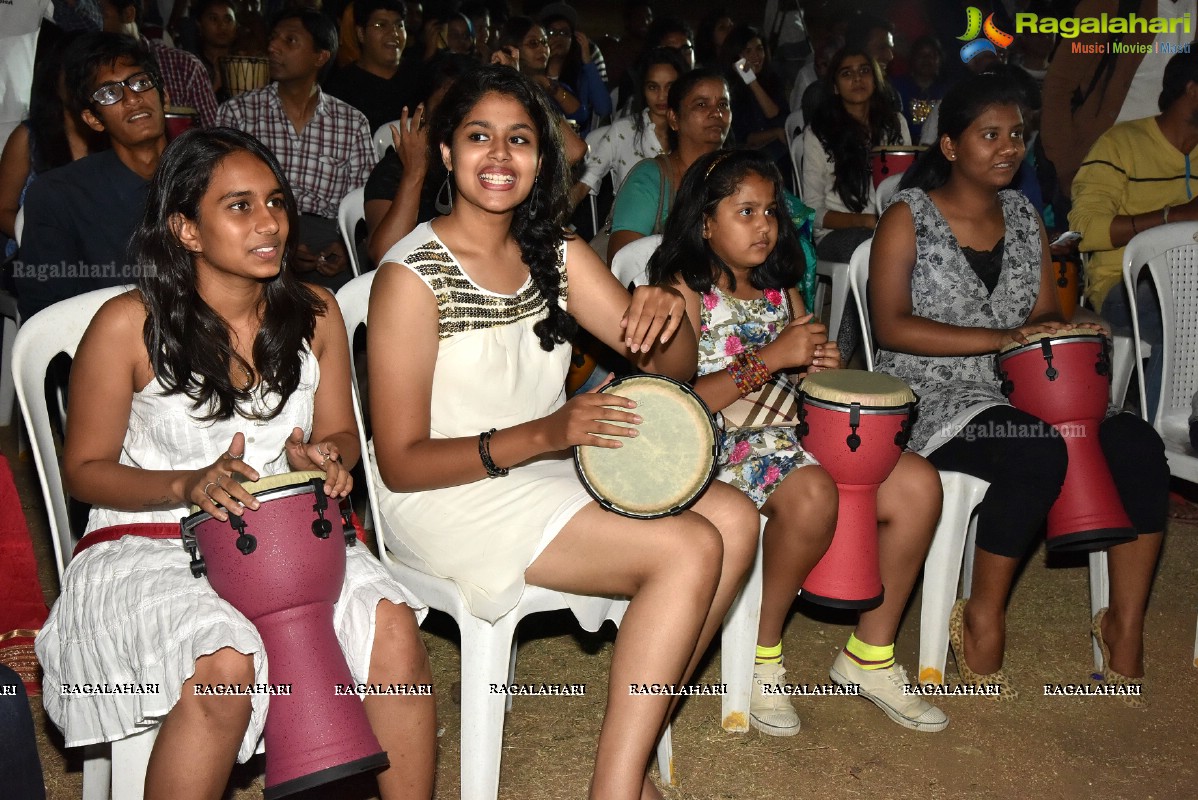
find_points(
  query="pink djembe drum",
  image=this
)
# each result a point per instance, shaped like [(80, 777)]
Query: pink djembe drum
[(856, 424), (283, 566), (888, 160), (1064, 378)]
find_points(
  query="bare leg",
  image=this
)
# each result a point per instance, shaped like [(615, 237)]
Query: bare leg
[(198, 741), (908, 508), (1131, 569), (405, 725), (802, 519), (986, 612), (670, 568)]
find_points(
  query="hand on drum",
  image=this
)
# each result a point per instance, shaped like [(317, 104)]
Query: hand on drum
[(215, 488), (653, 316), (321, 456), (1021, 333), (585, 415), (797, 346), (827, 356)]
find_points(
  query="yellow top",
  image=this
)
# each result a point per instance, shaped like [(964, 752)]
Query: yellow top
[(1131, 169), (857, 386)]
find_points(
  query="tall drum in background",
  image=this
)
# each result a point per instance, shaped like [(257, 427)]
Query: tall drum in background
[(856, 424), (668, 465), (1064, 378), (896, 159), (245, 73), (283, 567)]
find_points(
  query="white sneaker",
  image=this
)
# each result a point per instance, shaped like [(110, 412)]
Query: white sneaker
[(770, 711), (884, 688)]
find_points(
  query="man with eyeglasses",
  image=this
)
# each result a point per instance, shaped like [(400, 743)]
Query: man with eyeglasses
[(324, 145), (79, 217), (377, 84)]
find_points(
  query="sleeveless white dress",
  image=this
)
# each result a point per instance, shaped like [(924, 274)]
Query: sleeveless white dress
[(491, 372), (130, 611)]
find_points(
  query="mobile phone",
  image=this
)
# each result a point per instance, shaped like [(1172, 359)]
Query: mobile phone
[(745, 71), (1068, 237)]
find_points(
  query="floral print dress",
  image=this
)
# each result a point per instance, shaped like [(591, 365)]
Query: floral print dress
[(754, 460)]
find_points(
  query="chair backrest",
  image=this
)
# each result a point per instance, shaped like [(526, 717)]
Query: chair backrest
[(793, 124), (1170, 254), (630, 263), (350, 212), (858, 283), (796, 160), (382, 138), (886, 190), (354, 300), (18, 225), (57, 329)]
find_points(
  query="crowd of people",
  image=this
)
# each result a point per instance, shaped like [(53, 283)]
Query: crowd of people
[(500, 125)]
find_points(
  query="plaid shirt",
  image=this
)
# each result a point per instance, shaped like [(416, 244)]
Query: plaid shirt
[(186, 79), (331, 157)]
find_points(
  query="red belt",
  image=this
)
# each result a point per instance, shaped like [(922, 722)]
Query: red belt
[(150, 530)]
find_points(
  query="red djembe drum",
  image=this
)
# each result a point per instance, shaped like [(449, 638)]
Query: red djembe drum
[(179, 119), (283, 566), (856, 424), (896, 159), (1064, 378)]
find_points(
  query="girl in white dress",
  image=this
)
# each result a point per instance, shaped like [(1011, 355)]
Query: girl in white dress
[(469, 321), (221, 366)]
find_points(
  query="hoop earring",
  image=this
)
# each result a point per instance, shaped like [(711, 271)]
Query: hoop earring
[(533, 205), (444, 199)]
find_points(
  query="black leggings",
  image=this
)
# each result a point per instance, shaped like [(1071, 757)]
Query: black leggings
[(1024, 461)]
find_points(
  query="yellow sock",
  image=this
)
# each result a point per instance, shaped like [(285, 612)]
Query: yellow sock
[(867, 656), (769, 655)]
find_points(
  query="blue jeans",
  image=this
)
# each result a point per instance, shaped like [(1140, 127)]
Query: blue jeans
[(1116, 311)]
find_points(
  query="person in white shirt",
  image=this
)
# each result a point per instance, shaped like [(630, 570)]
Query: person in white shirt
[(617, 148)]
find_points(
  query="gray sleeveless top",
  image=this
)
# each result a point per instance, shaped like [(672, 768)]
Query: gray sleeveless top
[(944, 288)]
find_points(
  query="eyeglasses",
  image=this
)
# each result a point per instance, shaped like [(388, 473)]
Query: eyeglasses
[(110, 93), (555, 32), (536, 44), (380, 25)]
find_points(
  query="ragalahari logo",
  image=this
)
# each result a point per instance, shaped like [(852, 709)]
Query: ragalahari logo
[(975, 46)]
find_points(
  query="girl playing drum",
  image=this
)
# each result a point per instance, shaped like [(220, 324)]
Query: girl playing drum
[(959, 269), (220, 366), (726, 252), (469, 321)]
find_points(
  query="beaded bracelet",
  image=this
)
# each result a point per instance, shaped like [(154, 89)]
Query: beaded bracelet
[(748, 372), (484, 453)]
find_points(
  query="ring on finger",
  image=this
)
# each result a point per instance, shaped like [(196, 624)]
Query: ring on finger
[(205, 489), (323, 454), (237, 457)]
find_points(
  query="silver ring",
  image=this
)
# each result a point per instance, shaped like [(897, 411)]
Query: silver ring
[(205, 489), (237, 457), (323, 454)]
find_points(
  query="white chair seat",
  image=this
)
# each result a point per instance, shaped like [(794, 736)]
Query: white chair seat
[(350, 211), (382, 138)]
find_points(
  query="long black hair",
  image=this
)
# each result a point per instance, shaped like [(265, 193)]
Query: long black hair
[(657, 56), (537, 221), (848, 142), (685, 252), (962, 104), (49, 139), (188, 342)]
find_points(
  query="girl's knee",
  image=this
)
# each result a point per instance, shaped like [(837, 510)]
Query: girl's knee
[(226, 666), (811, 492), (397, 642), (913, 485)]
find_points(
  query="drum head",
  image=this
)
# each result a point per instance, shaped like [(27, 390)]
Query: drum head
[(846, 386), (664, 469), (1068, 332), (272, 484)]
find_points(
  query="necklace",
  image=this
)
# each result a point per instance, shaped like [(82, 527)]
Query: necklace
[(249, 376)]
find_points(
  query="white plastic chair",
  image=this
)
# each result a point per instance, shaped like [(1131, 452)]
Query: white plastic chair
[(795, 145), (58, 329), (12, 320), (951, 553), (837, 274), (382, 138), (886, 190), (350, 211), (488, 650), (1170, 254), (630, 263)]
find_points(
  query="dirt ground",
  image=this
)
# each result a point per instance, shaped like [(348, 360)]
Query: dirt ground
[(1034, 747)]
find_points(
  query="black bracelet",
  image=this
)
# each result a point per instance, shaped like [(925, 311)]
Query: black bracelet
[(484, 453)]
